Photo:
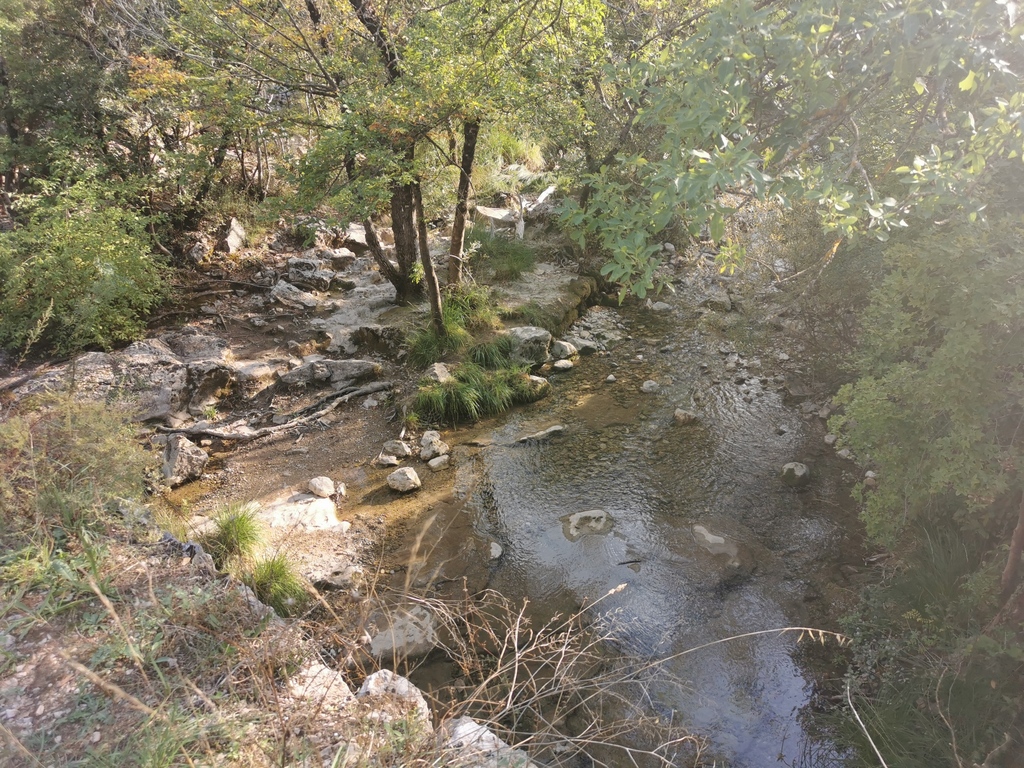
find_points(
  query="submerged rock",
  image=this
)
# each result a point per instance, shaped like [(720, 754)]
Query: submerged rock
[(650, 387), (544, 434), (684, 417), (796, 475), (579, 524)]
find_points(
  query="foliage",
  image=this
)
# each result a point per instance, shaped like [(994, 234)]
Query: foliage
[(506, 258), (62, 462), (236, 536), (922, 667), (276, 583), (868, 111), (79, 273), (940, 392)]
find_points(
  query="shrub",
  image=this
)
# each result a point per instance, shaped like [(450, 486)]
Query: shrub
[(236, 536), (506, 258), (275, 583), (78, 274), (62, 462)]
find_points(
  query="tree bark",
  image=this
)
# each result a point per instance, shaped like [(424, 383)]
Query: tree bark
[(470, 131), (429, 275), (1006, 583), (405, 288)]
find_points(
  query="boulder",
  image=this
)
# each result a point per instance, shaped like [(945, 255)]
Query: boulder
[(398, 448), (232, 238), (539, 387), (718, 300), (286, 293), (385, 684), (563, 350), (404, 480), (431, 445), (183, 460), (531, 344), (324, 688), (404, 632), (340, 373), (322, 487), (301, 510), (472, 745), (438, 372), (796, 475), (439, 462)]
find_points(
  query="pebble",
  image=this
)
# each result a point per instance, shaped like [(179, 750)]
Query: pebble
[(650, 387), (611, 379), (830, 439), (95, 738), (562, 365)]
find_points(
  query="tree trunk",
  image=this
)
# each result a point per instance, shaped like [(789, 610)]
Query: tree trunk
[(470, 130), (1013, 560), (403, 224), (429, 275), (405, 288)]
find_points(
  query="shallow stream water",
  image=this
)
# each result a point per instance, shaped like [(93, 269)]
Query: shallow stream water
[(700, 528)]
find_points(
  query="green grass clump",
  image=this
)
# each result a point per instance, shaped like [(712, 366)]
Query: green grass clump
[(473, 393), (493, 354), (236, 536), (275, 583), (464, 309), (506, 258)]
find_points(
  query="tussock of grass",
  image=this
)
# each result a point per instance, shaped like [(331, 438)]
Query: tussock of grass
[(275, 583), (493, 354), (473, 393), (506, 258), (236, 536), (463, 310)]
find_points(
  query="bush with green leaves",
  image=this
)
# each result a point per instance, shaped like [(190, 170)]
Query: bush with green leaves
[(78, 273)]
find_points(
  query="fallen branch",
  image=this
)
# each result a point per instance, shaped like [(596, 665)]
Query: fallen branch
[(301, 417)]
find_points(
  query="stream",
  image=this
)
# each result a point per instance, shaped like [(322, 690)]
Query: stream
[(699, 526)]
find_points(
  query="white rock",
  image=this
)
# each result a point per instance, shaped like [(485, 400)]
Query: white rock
[(544, 434), (432, 445), (531, 344), (404, 480), (286, 293), (183, 460), (830, 439), (661, 306), (563, 350), (300, 510), (795, 474), (496, 550), (438, 372), (845, 453), (611, 379), (387, 683), (321, 486), (562, 365), (650, 386), (439, 462), (397, 448)]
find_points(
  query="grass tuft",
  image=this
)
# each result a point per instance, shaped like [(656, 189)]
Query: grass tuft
[(506, 258), (236, 536), (472, 393), (275, 583), (493, 354)]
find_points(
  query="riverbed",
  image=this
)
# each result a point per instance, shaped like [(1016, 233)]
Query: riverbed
[(697, 522)]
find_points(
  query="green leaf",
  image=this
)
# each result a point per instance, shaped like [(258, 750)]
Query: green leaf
[(967, 84)]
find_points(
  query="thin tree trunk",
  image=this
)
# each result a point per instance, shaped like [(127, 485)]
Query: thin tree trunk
[(470, 131), (1013, 559), (403, 224), (429, 275)]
